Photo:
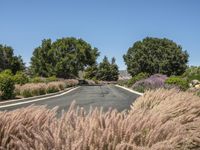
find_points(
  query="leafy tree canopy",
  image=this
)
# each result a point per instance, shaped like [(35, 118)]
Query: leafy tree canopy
[(62, 58), (9, 61), (154, 55), (105, 71)]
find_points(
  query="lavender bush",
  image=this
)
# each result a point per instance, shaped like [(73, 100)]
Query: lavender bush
[(153, 82)]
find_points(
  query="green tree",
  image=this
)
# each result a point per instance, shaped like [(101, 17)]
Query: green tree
[(154, 55), (108, 71), (114, 70), (91, 72), (63, 58), (9, 61), (42, 60)]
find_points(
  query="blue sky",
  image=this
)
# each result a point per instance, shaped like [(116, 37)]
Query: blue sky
[(110, 25)]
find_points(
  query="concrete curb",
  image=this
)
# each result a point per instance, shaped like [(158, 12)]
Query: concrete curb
[(35, 100), (35, 97), (130, 90)]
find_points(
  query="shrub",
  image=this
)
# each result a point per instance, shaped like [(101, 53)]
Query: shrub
[(178, 81), (192, 73), (159, 120), (6, 85), (38, 80), (20, 78), (136, 78), (151, 83), (51, 79)]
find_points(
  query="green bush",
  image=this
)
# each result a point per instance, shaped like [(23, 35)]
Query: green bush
[(136, 78), (7, 85), (178, 81), (20, 78), (192, 73), (51, 79), (37, 80), (140, 88)]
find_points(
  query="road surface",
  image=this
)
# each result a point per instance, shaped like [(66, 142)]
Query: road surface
[(106, 96)]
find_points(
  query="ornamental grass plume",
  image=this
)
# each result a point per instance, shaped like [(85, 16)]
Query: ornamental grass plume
[(159, 120), (35, 89)]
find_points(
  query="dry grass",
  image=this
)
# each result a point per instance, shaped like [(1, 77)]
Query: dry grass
[(35, 89), (160, 120)]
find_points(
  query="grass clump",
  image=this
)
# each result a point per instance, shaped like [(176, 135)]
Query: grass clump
[(32, 89)]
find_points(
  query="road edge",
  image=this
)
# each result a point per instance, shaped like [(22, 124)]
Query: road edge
[(37, 98), (130, 90)]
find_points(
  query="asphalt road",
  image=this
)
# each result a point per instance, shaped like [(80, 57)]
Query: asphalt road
[(106, 96)]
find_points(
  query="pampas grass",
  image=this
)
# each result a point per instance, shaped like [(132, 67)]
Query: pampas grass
[(159, 120)]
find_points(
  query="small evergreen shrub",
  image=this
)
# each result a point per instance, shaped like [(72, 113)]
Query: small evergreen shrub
[(51, 79), (37, 80), (136, 78), (178, 81), (7, 85), (192, 73), (20, 78)]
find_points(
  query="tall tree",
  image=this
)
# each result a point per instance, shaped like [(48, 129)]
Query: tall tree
[(108, 71), (154, 55), (64, 58), (9, 61), (42, 60), (114, 70)]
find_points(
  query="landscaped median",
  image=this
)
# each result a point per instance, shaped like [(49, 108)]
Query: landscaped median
[(38, 90), (21, 101)]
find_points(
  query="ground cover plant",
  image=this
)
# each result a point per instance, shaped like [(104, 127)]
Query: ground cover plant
[(153, 82), (162, 119)]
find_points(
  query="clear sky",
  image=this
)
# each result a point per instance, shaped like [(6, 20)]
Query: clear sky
[(110, 25)]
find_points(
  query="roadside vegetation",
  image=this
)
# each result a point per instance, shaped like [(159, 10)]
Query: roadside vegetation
[(36, 89), (165, 117), (52, 67), (160, 63), (153, 63), (161, 119)]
